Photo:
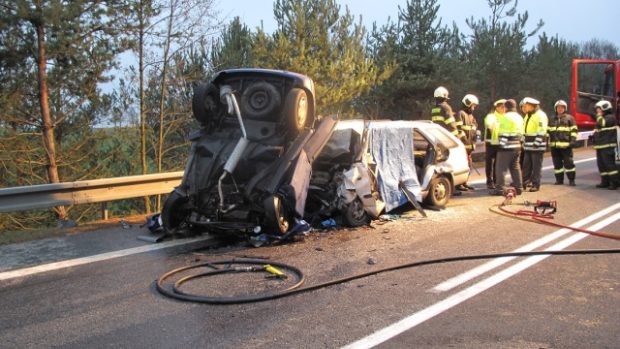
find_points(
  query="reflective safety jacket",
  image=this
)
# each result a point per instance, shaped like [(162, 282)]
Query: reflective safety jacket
[(491, 127), (562, 131), (535, 130), (467, 125), (442, 115), (510, 130), (605, 134)]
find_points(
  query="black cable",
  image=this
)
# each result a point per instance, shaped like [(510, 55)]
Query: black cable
[(176, 293)]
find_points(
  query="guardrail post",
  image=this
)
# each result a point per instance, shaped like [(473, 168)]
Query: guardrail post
[(104, 211)]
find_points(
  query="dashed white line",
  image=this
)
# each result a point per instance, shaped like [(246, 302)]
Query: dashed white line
[(475, 272), (415, 319)]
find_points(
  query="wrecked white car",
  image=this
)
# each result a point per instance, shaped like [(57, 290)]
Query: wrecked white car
[(370, 167)]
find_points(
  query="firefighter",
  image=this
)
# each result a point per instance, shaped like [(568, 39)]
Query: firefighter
[(562, 132), (490, 145), (510, 129), (535, 129), (467, 125), (605, 143), (442, 113)]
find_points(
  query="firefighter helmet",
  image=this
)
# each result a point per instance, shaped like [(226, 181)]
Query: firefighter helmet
[(530, 100), (468, 100), (604, 105), (441, 92), (499, 102), (560, 103)]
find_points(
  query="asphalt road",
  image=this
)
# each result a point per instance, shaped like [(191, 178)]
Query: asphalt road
[(109, 301)]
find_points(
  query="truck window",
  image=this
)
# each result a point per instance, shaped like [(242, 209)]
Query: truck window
[(595, 81)]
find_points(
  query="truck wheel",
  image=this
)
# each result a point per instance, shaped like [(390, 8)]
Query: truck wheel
[(354, 215), (276, 215), (259, 100), (439, 192), (206, 105), (175, 212), (296, 110)]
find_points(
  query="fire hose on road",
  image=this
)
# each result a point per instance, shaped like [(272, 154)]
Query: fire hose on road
[(541, 213)]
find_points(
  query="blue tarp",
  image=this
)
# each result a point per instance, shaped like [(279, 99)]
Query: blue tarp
[(392, 150)]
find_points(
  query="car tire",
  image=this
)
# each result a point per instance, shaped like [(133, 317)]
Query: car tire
[(175, 212), (276, 215), (354, 214), (439, 192), (296, 110), (260, 100), (206, 105)]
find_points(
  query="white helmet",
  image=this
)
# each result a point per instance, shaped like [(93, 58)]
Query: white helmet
[(441, 92), (530, 100), (558, 103), (499, 102), (468, 100), (604, 105)]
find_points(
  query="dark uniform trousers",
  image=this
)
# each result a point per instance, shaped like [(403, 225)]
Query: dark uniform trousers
[(490, 161), (508, 161), (605, 159), (563, 163), (532, 167)]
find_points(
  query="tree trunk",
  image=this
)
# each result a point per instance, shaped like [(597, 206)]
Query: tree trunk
[(46, 118), (143, 158), (162, 97)]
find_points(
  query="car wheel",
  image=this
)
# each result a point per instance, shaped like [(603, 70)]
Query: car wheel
[(439, 192), (259, 100), (276, 216), (175, 212), (354, 214), (296, 110), (206, 104)]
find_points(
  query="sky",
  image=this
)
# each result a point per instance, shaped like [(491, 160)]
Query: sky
[(573, 20)]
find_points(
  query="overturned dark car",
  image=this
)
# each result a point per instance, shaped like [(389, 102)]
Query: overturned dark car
[(250, 162)]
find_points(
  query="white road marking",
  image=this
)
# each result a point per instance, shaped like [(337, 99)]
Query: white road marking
[(460, 297), (475, 272), (96, 258), (483, 180)]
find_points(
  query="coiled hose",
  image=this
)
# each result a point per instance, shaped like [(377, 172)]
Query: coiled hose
[(175, 292)]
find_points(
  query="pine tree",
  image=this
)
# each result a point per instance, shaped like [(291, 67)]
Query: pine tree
[(61, 50), (550, 67), (497, 50), (315, 39), (421, 57), (233, 49)]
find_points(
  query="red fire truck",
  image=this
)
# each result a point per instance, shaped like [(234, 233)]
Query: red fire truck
[(593, 80)]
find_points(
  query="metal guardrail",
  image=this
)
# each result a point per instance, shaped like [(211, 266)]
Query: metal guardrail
[(86, 192), (109, 189)]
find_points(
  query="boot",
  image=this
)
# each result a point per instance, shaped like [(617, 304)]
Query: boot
[(613, 184), (461, 188), (571, 178), (604, 183), (559, 179)]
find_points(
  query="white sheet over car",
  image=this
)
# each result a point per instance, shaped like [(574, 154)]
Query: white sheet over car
[(391, 147)]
